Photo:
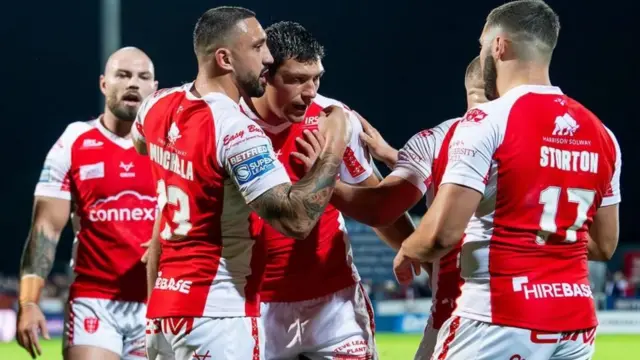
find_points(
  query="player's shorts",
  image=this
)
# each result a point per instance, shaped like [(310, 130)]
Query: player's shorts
[(188, 338), (428, 342), (463, 339), (338, 326), (117, 326)]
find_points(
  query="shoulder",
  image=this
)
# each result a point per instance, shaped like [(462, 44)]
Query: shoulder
[(324, 101), (76, 130), (163, 94), (442, 129), (161, 98), (434, 134), (232, 126)]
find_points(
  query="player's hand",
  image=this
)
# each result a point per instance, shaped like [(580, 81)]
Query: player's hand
[(378, 146), (311, 145), (335, 123), (145, 256), (404, 268), (31, 323)]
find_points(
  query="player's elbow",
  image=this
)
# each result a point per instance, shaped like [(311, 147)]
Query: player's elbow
[(447, 238), (385, 218), (604, 234), (603, 250)]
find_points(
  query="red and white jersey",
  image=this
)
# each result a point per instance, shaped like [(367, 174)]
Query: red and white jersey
[(544, 164), (114, 206), (209, 161), (422, 162), (323, 263)]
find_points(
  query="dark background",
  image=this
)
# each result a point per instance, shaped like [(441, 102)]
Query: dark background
[(401, 64)]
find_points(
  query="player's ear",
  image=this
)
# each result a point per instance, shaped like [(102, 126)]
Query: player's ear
[(103, 85), (223, 59), (499, 47), (155, 85)]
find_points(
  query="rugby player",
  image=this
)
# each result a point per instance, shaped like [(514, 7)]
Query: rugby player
[(313, 303), (213, 166), (530, 175), (94, 174)]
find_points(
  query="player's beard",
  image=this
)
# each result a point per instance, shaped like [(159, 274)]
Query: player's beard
[(120, 110), (250, 85), (490, 77)]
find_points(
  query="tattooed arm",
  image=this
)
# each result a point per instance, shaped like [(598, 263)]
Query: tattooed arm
[(252, 164), (50, 216), (295, 209)]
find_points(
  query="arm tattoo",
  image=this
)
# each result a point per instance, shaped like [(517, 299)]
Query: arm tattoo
[(295, 209), (39, 254)]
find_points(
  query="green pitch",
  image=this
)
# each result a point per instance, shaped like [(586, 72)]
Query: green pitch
[(390, 347)]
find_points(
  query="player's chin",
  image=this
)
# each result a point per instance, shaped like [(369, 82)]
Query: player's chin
[(295, 117)]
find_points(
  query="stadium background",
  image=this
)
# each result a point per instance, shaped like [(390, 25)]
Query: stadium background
[(400, 64)]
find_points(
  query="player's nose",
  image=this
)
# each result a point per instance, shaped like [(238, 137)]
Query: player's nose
[(309, 92), (267, 58)]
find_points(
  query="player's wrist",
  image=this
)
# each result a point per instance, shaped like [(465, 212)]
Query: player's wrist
[(390, 157), (30, 290)]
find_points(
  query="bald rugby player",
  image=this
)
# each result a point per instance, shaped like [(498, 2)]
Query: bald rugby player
[(94, 169)]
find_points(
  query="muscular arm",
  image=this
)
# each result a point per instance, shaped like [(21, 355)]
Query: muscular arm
[(399, 230), (50, 215), (377, 206), (604, 234), (295, 209), (444, 224)]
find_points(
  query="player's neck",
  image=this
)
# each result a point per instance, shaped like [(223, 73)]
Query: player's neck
[(523, 75), (116, 126), (224, 84), (260, 107)]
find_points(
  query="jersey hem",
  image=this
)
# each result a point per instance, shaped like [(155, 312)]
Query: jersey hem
[(97, 294), (360, 178), (275, 296), (279, 180), (409, 176), (230, 314), (611, 200), (519, 324), (474, 184)]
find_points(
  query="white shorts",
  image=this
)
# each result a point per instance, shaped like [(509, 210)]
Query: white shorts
[(428, 342), (338, 326), (188, 338), (117, 326), (463, 339)]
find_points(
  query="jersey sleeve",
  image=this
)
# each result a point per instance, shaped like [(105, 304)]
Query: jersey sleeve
[(415, 160), (249, 158), (612, 195), (356, 162), (471, 150), (55, 178)]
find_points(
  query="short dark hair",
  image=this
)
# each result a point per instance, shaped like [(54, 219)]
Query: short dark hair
[(473, 70), (290, 40), (528, 20), (215, 25)]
